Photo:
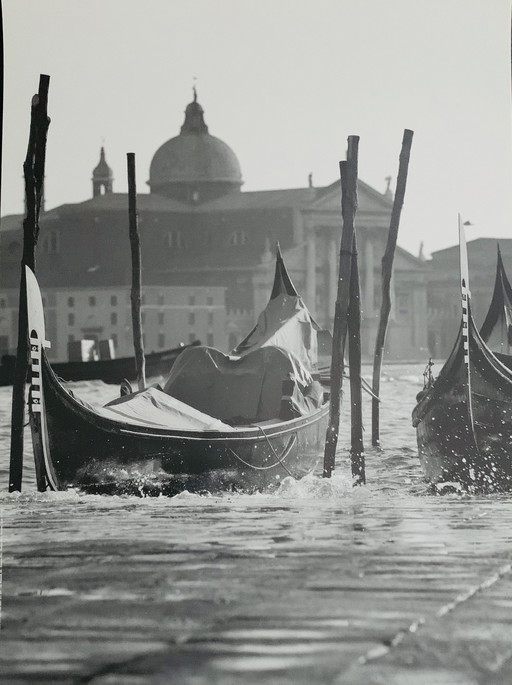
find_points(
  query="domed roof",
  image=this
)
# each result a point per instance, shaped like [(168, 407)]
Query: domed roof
[(102, 171), (194, 156)]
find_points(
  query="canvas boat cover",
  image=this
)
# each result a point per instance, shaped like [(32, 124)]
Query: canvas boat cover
[(268, 376), (153, 407), (285, 322), (243, 389)]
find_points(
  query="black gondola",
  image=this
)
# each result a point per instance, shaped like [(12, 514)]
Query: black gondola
[(176, 446), (463, 418), (106, 370)]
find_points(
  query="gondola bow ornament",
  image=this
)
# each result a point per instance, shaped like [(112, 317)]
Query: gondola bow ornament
[(45, 474)]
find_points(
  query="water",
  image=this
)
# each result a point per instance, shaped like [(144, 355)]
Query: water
[(315, 583)]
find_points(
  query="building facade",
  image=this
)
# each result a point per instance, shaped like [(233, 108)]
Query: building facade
[(203, 237)]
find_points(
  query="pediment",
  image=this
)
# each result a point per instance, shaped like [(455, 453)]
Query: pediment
[(369, 200), (405, 261)]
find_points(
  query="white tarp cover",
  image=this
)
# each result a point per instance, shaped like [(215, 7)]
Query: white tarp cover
[(247, 388), (285, 323), (152, 407)]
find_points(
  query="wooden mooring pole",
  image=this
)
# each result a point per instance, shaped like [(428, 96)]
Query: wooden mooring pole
[(354, 362), (387, 271), (33, 171), (138, 342), (348, 177)]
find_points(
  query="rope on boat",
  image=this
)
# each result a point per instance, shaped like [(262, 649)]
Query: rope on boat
[(279, 459)]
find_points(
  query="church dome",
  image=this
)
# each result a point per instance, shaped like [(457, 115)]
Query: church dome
[(194, 166)]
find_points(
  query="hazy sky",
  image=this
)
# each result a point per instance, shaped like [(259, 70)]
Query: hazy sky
[(283, 82)]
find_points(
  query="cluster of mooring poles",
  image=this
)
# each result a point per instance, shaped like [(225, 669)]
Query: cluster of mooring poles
[(347, 314), (33, 170)]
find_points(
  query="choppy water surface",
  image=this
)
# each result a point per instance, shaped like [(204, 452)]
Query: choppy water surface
[(315, 583)]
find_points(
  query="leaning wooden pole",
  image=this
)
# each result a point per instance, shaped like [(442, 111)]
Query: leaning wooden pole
[(354, 362), (387, 271), (33, 171), (348, 177), (138, 344)]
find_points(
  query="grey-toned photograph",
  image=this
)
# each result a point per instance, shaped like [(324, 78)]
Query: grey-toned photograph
[(256, 342)]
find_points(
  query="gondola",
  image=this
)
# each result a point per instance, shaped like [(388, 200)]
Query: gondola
[(496, 330), (106, 370), (238, 422), (463, 418)]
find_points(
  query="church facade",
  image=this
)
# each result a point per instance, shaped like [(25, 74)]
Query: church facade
[(208, 255)]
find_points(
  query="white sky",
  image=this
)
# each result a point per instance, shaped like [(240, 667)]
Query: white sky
[(283, 82)]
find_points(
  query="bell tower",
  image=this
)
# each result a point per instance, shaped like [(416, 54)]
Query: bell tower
[(102, 177)]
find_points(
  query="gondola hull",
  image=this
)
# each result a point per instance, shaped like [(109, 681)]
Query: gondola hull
[(99, 455), (465, 436)]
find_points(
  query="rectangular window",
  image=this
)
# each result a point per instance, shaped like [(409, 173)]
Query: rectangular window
[(209, 339), (160, 298), (143, 299), (3, 303), (113, 318), (192, 299), (143, 317), (161, 318), (209, 300), (71, 301), (210, 318), (92, 301), (403, 304), (113, 300), (71, 319), (161, 340), (191, 318), (191, 337)]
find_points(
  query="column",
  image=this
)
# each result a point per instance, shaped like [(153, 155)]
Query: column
[(369, 284), (333, 258), (311, 271)]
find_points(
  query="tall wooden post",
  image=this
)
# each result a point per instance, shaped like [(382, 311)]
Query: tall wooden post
[(354, 360), (348, 177), (138, 344), (387, 271), (33, 171)]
